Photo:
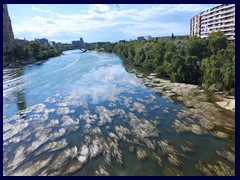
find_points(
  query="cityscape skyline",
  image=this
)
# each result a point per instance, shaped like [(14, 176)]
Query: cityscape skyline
[(101, 22)]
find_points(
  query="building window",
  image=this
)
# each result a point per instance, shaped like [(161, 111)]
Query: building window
[(4, 29), (9, 28)]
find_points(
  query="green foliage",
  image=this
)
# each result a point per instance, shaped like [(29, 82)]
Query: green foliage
[(197, 47), (31, 50), (192, 70), (219, 69), (177, 68), (192, 60), (140, 56), (217, 41), (109, 47)]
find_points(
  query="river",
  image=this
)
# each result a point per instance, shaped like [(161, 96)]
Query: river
[(84, 114)]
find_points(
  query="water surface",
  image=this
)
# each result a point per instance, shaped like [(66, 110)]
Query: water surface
[(84, 114)]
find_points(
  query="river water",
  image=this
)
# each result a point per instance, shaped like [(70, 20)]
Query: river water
[(84, 114)]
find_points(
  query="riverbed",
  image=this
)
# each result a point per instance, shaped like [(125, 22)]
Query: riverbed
[(84, 114)]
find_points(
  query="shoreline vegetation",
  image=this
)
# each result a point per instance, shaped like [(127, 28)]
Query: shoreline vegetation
[(32, 52), (207, 62)]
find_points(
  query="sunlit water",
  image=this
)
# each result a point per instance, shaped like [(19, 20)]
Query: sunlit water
[(55, 108)]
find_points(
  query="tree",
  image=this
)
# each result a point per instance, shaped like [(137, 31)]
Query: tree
[(192, 70), (193, 60), (197, 47), (159, 51), (219, 70), (140, 56), (217, 41), (167, 62)]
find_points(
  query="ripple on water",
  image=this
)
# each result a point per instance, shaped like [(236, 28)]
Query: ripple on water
[(106, 120)]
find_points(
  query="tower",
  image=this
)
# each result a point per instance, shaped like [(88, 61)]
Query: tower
[(81, 41), (8, 37)]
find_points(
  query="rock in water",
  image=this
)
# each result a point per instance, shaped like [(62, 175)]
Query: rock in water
[(141, 154), (219, 169)]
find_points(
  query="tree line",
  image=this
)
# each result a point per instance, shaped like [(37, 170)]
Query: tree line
[(208, 62), (31, 50)]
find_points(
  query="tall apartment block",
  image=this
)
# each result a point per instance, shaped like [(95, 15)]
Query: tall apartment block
[(217, 18), (195, 25)]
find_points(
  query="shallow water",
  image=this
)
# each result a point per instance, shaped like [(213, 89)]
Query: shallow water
[(54, 109)]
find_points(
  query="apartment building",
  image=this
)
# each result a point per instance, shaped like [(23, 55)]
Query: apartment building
[(217, 18), (195, 25)]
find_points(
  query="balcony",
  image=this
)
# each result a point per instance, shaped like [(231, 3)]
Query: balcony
[(229, 34), (218, 8), (219, 18), (213, 16), (229, 26)]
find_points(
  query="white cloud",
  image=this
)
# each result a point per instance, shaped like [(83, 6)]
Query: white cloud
[(145, 12), (99, 8), (154, 29), (98, 89), (36, 9), (130, 19)]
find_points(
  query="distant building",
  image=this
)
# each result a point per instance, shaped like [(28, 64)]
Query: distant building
[(81, 41), (8, 37), (78, 42), (21, 42), (217, 18), (147, 38), (75, 42), (142, 38), (42, 41)]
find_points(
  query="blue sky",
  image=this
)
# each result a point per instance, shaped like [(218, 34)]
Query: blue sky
[(101, 22)]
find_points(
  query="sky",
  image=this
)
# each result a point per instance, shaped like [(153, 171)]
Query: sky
[(101, 22)]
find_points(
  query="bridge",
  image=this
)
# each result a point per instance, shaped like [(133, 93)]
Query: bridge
[(83, 50)]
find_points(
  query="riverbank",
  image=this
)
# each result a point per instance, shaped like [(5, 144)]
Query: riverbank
[(211, 64), (197, 102), (218, 98), (225, 101), (31, 53), (20, 63)]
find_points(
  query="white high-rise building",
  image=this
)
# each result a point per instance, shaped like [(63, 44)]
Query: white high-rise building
[(217, 18), (195, 25)]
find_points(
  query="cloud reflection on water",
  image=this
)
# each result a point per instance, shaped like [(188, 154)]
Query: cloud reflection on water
[(105, 81)]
